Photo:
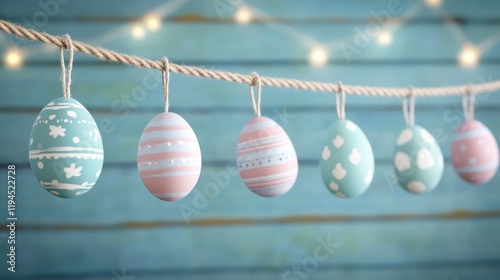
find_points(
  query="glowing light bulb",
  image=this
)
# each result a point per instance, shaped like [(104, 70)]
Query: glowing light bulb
[(153, 22), (243, 15), (434, 3), (13, 58), (138, 31), (468, 56), (384, 38), (318, 56)]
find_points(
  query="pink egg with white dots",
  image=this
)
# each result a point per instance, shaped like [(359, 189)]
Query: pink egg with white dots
[(474, 152), (169, 157)]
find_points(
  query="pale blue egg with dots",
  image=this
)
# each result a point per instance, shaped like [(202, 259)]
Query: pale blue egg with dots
[(65, 149), (418, 160), (347, 163)]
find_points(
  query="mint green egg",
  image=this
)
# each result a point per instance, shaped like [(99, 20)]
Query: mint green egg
[(347, 164), (418, 160), (65, 149)]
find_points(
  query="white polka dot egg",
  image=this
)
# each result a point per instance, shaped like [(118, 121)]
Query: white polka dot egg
[(418, 161), (347, 163), (65, 151), (169, 157)]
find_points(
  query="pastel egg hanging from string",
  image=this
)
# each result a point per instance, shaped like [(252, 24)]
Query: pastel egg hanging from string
[(347, 163), (65, 149), (169, 156), (265, 156), (418, 160), (474, 150)]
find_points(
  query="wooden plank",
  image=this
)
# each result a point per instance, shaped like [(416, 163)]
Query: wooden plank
[(124, 89), (364, 247), (306, 129), (119, 200), (487, 271), (484, 270), (294, 9), (266, 44)]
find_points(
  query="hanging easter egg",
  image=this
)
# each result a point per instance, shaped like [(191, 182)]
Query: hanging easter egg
[(347, 162), (169, 157), (266, 158), (474, 152), (65, 150), (418, 161)]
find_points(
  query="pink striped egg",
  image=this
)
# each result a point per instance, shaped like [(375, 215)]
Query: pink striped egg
[(169, 157), (474, 152), (266, 158)]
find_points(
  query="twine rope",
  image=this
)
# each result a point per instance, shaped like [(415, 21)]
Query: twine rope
[(468, 101), (409, 112), (66, 73), (340, 101), (104, 54), (165, 77), (256, 103)]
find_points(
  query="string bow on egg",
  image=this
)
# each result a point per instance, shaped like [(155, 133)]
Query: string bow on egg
[(418, 160), (168, 156), (347, 163), (265, 155), (66, 151), (474, 150)]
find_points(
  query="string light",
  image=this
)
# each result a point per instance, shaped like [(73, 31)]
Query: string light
[(13, 58), (434, 3), (243, 15), (138, 31), (153, 22), (468, 56), (384, 38), (318, 56)]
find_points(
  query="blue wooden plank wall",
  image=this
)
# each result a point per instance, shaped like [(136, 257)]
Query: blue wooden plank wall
[(221, 230)]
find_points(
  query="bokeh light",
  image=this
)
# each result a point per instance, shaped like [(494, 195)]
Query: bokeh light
[(318, 56), (13, 58)]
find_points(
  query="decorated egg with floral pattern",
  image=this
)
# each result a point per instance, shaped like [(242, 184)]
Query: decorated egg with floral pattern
[(65, 150)]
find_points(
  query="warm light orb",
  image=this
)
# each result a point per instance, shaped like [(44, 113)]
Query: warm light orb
[(434, 3), (318, 56), (138, 31), (153, 22), (243, 15), (384, 38), (468, 56), (13, 58)]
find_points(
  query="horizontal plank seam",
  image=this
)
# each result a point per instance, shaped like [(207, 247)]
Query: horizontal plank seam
[(454, 215)]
